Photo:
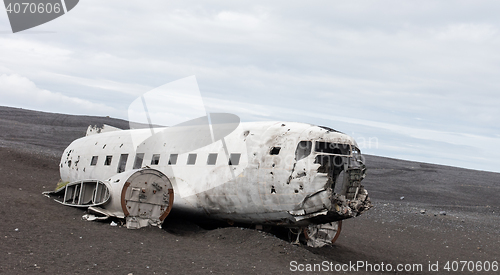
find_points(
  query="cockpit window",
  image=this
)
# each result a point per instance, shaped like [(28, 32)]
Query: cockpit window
[(303, 149), (332, 148), (356, 153)]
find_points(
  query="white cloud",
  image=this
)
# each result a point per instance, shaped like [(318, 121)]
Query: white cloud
[(463, 32), (238, 20), (104, 84), (19, 91)]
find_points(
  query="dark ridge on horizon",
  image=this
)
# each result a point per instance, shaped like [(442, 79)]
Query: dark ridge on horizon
[(58, 119)]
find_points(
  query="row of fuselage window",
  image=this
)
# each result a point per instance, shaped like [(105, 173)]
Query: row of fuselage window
[(234, 159)]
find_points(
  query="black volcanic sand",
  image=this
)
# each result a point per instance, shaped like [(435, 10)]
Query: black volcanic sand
[(39, 235)]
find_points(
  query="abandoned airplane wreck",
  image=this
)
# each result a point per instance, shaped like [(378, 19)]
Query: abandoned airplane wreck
[(294, 175)]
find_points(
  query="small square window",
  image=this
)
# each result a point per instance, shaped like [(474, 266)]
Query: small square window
[(122, 163), (108, 160), (93, 162), (139, 158), (155, 159), (173, 159), (212, 159), (234, 159), (191, 159)]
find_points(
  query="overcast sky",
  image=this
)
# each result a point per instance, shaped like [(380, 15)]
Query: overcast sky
[(416, 80)]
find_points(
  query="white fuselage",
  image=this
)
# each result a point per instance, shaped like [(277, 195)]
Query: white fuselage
[(262, 184)]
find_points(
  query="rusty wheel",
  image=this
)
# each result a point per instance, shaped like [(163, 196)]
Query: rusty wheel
[(339, 228)]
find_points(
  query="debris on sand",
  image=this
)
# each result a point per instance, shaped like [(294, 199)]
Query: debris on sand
[(422, 211), (442, 213), (89, 217), (402, 198)]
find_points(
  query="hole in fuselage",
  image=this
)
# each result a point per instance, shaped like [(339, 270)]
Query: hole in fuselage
[(275, 150)]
